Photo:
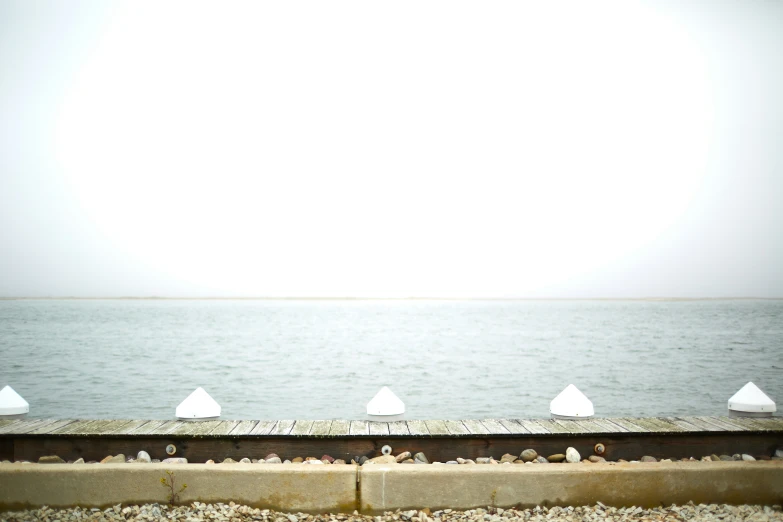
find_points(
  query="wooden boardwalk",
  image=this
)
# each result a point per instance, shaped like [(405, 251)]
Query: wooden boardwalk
[(628, 438), (372, 429)]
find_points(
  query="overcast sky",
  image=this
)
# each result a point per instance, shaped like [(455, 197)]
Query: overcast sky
[(406, 148)]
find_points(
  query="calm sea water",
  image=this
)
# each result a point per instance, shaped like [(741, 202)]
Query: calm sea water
[(445, 359)]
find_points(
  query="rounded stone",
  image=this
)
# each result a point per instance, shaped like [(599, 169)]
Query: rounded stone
[(143, 456), (648, 458), (557, 457), (572, 456), (528, 455)]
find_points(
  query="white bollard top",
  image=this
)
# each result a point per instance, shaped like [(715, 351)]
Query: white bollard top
[(385, 403), (11, 403), (571, 403), (751, 399), (198, 405)]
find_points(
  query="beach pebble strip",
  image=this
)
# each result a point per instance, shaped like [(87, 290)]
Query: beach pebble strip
[(528, 456), (232, 512)]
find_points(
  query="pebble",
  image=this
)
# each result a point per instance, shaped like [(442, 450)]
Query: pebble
[(779, 453), (596, 458), (726, 458), (338, 461), (51, 459), (79, 461), (271, 455), (239, 513), (273, 460), (227, 460), (405, 455), (175, 460), (572, 456), (420, 458), (483, 460), (528, 455), (541, 460), (143, 456), (245, 461), (117, 459), (508, 457), (747, 457), (557, 457), (648, 458), (328, 458)]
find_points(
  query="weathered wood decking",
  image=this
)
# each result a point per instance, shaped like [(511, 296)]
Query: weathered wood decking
[(373, 429), (439, 439)]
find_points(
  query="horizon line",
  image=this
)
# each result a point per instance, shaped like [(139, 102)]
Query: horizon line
[(349, 298)]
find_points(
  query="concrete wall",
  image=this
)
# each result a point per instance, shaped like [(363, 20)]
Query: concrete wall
[(389, 487)]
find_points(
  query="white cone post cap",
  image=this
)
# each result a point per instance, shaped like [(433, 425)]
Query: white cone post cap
[(571, 404), (750, 399), (11, 403), (385, 403), (198, 405)]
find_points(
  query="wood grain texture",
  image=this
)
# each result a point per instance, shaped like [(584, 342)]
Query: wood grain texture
[(301, 428), (514, 427), (533, 427), (475, 427), (262, 428), (417, 427), (340, 428), (398, 428), (436, 427), (456, 428), (283, 427), (359, 428), (379, 428), (495, 427), (243, 428), (320, 428)]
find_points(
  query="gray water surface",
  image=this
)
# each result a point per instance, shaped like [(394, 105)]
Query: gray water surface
[(444, 359)]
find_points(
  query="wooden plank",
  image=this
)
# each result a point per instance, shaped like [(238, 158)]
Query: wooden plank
[(514, 427), (701, 424), (765, 423), (379, 428), (647, 424), (609, 426), (686, 426), (203, 428), (263, 428), (359, 428), (301, 428), (187, 427), (436, 427), (164, 428), (48, 428), (552, 426), (628, 424), (223, 428), (320, 428), (456, 428), (25, 426), (664, 425), (749, 423), (494, 427), (243, 428), (735, 426), (283, 427), (475, 427), (339, 428), (147, 428), (417, 427), (74, 427), (719, 423), (578, 427), (6, 422), (398, 428), (533, 427), (104, 427), (128, 428)]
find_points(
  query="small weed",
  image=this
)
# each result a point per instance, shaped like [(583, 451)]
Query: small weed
[(173, 496)]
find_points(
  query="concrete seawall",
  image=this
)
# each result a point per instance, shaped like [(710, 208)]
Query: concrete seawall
[(376, 488)]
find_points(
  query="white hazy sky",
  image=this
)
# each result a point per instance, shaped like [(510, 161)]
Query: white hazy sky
[(406, 148)]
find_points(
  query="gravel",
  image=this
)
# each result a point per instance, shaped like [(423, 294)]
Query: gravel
[(232, 512)]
